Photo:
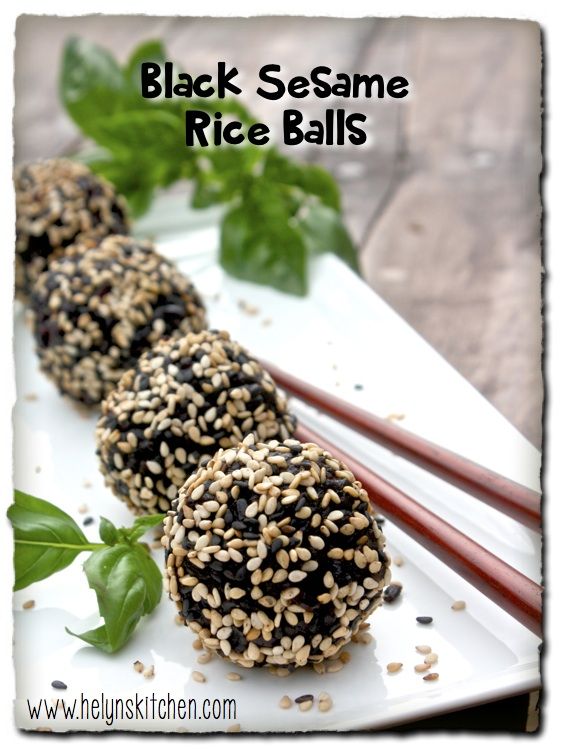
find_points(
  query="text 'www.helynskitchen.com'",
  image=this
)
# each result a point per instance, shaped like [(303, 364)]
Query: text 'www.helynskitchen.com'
[(111, 709)]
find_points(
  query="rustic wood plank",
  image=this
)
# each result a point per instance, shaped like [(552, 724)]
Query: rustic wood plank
[(456, 250)]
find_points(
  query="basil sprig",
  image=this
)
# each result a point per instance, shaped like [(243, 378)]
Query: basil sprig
[(279, 213), (120, 570)]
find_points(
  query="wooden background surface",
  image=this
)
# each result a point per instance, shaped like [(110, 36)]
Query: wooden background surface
[(444, 201)]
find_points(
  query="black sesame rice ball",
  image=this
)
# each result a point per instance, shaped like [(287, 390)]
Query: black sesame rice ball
[(185, 399), (59, 202), (273, 555), (97, 309)]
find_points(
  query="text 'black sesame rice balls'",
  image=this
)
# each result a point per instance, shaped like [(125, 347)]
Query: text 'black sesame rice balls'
[(59, 202), (185, 399), (97, 309), (273, 556)]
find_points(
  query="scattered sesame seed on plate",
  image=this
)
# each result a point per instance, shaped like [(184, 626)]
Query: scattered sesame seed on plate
[(198, 677), (398, 561), (59, 684), (83, 508), (234, 676), (31, 397), (421, 667), (88, 520), (394, 667), (458, 605), (423, 649), (28, 604), (431, 677), (246, 307), (425, 620), (204, 658), (234, 728), (285, 702), (305, 706), (392, 592), (325, 702), (138, 666), (431, 658), (149, 672)]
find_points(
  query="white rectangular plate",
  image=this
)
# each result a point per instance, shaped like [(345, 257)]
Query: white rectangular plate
[(341, 336)]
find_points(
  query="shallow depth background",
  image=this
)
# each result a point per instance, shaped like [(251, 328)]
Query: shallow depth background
[(443, 201)]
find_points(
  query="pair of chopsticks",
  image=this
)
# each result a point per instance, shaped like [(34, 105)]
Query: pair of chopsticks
[(500, 582)]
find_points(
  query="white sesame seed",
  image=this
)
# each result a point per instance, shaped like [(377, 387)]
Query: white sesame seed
[(458, 605)]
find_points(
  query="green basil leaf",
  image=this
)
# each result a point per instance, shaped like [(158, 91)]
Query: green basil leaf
[(259, 244), (131, 131), (91, 84), (323, 231), (143, 524), (46, 539), (108, 532), (96, 637), (311, 178), (126, 589), (220, 174), (150, 51), (152, 575)]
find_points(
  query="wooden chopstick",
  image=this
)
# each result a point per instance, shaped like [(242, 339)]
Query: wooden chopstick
[(504, 494), (511, 590)]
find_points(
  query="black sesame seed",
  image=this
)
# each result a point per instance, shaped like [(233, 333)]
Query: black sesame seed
[(276, 545), (251, 535), (392, 592), (59, 685), (301, 503), (303, 697), (424, 619), (88, 520)]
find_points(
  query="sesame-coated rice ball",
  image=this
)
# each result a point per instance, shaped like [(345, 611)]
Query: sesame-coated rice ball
[(59, 202), (185, 399), (97, 310), (273, 555)]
